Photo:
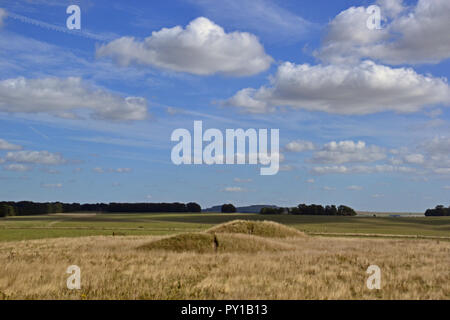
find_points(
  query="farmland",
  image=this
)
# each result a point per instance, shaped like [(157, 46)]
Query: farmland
[(169, 256), (80, 225)]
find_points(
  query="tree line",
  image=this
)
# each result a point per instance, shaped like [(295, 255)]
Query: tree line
[(312, 210), (26, 208), (438, 211)]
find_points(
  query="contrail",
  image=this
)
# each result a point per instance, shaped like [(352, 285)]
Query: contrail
[(49, 26)]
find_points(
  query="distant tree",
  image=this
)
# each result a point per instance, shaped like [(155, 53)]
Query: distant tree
[(331, 210), (269, 210), (439, 211), (228, 208), (346, 211), (6, 210), (193, 207), (317, 210)]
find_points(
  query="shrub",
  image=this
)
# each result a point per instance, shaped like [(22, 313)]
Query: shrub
[(228, 208)]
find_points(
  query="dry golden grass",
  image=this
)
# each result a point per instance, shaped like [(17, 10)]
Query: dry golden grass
[(257, 228), (313, 268)]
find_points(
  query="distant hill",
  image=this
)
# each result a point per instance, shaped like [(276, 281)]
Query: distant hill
[(248, 209)]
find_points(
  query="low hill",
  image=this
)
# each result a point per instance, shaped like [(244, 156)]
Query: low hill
[(212, 243), (257, 228)]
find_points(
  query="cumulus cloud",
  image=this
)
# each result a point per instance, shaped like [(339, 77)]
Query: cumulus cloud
[(344, 89), (5, 145), (437, 152), (35, 157), (202, 48), (2, 16), (417, 34), (16, 167), (437, 146), (432, 156), (299, 146), (63, 96), (415, 158), (348, 151)]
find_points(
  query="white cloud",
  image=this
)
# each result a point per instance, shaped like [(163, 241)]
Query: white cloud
[(310, 181), (438, 146), (239, 180), (118, 170), (432, 156), (437, 154), (365, 88), (63, 96), (434, 113), (5, 145), (411, 35), (50, 171), (202, 48), (355, 188), (234, 189), (326, 188), (415, 158), (265, 17), (445, 171), (16, 167), (377, 195), (299, 146), (348, 151), (446, 187), (3, 15), (286, 167), (362, 169), (330, 170), (35, 157), (51, 185)]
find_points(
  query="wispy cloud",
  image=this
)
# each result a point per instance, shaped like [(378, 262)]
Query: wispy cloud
[(234, 189), (265, 18)]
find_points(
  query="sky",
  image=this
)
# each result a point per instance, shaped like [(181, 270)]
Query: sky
[(87, 115)]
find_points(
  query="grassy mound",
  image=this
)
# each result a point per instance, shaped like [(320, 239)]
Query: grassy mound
[(210, 243), (257, 228)]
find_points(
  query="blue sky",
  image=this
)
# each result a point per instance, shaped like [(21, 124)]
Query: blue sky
[(86, 116)]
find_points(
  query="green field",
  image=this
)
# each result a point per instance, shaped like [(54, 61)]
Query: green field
[(79, 225)]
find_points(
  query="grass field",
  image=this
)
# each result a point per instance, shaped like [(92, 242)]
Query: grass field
[(80, 225), (171, 256)]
